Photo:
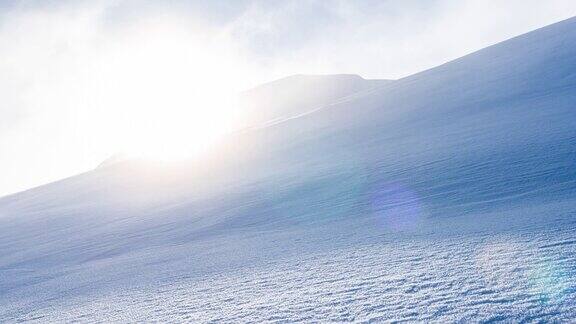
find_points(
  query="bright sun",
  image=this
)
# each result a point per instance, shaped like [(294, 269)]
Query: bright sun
[(166, 97), (169, 133)]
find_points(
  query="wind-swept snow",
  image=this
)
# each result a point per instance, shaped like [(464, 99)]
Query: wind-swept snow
[(449, 195)]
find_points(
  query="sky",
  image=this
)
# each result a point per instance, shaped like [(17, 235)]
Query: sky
[(82, 80)]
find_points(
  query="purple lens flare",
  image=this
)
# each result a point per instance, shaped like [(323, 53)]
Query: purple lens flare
[(396, 207)]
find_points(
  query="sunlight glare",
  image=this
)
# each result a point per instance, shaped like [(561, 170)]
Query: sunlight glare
[(167, 98)]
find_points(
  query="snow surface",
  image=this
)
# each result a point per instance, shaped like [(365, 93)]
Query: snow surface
[(445, 196)]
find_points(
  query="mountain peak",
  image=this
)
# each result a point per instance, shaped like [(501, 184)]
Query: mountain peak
[(300, 93)]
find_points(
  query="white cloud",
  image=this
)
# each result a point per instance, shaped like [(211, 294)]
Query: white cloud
[(385, 39)]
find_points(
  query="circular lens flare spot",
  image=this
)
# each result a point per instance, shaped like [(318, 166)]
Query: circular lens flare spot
[(396, 207)]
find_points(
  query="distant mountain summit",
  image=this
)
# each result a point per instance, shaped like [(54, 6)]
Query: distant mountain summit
[(113, 160), (301, 93)]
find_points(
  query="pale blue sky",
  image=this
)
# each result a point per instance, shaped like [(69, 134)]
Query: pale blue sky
[(55, 57)]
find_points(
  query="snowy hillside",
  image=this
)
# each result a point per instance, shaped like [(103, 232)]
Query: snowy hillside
[(447, 195)]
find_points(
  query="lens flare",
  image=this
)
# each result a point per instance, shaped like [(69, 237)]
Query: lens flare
[(396, 207), (509, 264), (550, 281)]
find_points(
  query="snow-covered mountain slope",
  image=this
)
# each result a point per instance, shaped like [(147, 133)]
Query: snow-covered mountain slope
[(447, 195)]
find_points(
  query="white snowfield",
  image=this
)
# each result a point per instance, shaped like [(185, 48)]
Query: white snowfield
[(446, 196)]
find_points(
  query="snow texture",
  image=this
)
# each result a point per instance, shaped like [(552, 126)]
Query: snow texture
[(446, 196)]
